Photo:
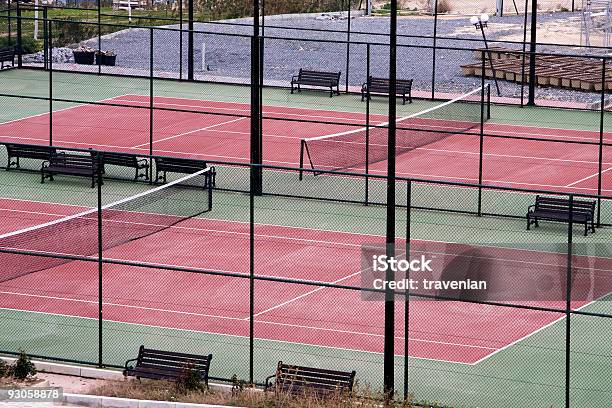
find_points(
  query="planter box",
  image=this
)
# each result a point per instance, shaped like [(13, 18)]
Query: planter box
[(84, 57), (103, 59)]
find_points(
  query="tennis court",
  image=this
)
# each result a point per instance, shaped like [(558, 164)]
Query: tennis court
[(220, 131), (194, 291)]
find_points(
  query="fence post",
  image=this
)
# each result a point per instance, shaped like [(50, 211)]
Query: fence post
[(180, 39), (151, 104), (433, 59), (524, 56), (601, 137), (251, 282), (19, 33), (481, 136), (190, 42), (100, 246), (532, 52), (47, 50), (367, 124), (348, 45), (407, 299), (50, 31), (389, 330), (99, 24), (568, 299)]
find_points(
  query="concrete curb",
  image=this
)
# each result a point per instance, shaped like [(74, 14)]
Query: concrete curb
[(95, 401)]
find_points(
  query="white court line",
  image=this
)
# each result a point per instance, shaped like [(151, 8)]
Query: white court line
[(588, 177), (280, 107), (303, 295), (171, 311), (189, 132), (151, 326), (78, 105)]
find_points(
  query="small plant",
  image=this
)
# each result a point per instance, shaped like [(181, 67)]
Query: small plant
[(23, 367), (563, 9), (4, 368), (238, 386), (190, 379)]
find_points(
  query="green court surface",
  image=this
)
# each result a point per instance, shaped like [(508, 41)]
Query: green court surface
[(529, 372)]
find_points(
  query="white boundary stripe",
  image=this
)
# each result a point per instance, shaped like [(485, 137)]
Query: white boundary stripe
[(110, 205), (150, 326), (280, 107), (77, 105), (414, 115), (297, 326), (189, 132), (588, 177), (540, 329)]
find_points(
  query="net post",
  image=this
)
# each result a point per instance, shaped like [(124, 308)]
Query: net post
[(302, 143), (488, 101), (98, 159), (601, 137)]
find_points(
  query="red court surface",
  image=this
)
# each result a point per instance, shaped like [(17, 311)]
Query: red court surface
[(213, 136), (297, 313)]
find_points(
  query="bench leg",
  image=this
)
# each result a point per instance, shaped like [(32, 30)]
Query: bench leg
[(593, 227), (292, 87), (586, 228)]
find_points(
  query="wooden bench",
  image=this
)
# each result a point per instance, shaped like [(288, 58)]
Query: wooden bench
[(166, 365), (403, 88), (329, 80), (84, 165), (126, 160), (299, 380), (16, 151), (180, 165), (558, 209), (7, 54)]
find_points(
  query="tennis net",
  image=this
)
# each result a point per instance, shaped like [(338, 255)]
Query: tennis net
[(354, 149), (52, 244)]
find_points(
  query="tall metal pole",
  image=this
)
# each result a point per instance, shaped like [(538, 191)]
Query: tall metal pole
[(524, 56), (190, 42), (181, 39), (256, 143), (389, 339), (484, 38), (532, 52), (100, 36), (348, 45), (433, 60), (601, 137)]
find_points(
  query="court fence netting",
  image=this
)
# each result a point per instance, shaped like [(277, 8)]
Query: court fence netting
[(98, 272), (188, 267)]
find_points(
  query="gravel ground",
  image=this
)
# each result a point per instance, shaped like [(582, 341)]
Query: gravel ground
[(228, 55)]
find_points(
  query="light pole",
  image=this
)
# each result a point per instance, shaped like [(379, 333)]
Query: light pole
[(480, 22)]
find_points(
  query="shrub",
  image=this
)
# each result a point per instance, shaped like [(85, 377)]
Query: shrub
[(28, 44), (23, 367), (444, 6), (190, 379), (4, 368)]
